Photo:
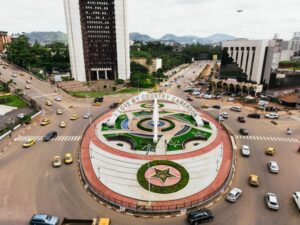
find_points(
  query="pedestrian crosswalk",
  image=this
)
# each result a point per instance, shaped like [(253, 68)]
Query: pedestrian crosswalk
[(40, 138), (262, 138)]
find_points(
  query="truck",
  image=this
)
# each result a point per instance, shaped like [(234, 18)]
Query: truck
[(94, 221)]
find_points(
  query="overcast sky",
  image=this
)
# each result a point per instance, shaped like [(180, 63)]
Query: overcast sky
[(259, 20)]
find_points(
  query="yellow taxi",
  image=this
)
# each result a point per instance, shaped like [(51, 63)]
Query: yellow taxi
[(96, 104), (74, 117), (29, 143), (62, 124), (254, 180), (104, 221), (48, 103), (45, 122), (68, 158), (59, 112), (270, 151), (204, 106)]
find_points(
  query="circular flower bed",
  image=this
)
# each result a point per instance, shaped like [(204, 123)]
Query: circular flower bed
[(150, 105), (163, 175), (170, 125)]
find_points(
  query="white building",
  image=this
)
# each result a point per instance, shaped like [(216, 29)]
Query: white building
[(98, 39)]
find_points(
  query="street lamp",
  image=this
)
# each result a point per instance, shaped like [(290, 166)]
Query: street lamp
[(148, 147)]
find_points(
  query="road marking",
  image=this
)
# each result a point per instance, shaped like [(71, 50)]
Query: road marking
[(40, 138), (262, 138)]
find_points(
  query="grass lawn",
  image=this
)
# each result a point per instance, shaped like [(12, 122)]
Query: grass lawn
[(12, 100), (139, 143), (185, 117), (176, 143), (93, 94), (117, 126)]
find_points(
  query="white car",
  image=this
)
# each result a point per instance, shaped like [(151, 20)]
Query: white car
[(20, 115), (28, 82), (273, 167), (220, 118), (272, 202), (236, 109), (14, 75), (245, 150), (234, 194), (296, 197), (272, 116), (230, 100), (58, 99), (27, 86), (87, 115), (225, 115), (208, 96)]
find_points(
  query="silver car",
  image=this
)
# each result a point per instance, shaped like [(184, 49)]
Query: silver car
[(245, 150), (234, 194), (273, 167), (272, 202)]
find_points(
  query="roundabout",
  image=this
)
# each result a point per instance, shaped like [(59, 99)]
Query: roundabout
[(164, 158)]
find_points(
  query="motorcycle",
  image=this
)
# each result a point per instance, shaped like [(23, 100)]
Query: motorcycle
[(288, 131)]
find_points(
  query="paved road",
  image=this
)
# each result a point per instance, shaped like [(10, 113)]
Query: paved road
[(28, 183)]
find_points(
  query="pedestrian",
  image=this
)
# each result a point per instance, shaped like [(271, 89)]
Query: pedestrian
[(10, 136)]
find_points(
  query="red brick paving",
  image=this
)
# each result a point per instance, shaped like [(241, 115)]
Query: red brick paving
[(126, 201)]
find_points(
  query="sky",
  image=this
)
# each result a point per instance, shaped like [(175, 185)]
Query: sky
[(260, 19)]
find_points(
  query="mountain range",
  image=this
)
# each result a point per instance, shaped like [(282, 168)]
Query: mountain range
[(49, 37)]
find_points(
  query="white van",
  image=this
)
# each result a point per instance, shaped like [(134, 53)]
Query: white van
[(296, 197)]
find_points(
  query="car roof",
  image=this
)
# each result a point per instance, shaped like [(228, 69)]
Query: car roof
[(39, 216), (235, 190), (200, 211)]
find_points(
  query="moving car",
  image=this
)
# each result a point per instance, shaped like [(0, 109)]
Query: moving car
[(254, 180), (216, 106), (273, 167), (254, 115), (96, 103), (230, 100), (208, 96), (220, 118), (50, 135), (199, 216), (236, 109), (74, 117), (27, 86), (43, 219), (189, 98), (98, 99), (62, 124), (245, 150), (48, 103), (243, 131), (14, 75), (272, 202), (28, 82), (114, 105), (225, 115), (56, 162), (87, 115), (234, 194), (29, 143), (270, 151), (68, 158), (296, 197), (204, 106), (45, 122), (272, 116), (59, 112), (241, 119), (20, 115), (58, 99)]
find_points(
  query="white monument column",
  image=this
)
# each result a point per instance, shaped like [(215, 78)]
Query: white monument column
[(155, 119)]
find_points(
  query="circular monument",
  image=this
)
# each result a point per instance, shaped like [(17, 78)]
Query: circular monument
[(155, 153)]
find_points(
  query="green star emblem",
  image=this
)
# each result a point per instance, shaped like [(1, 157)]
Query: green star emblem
[(162, 175)]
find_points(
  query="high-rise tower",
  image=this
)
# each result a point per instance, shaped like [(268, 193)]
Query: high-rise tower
[(98, 39)]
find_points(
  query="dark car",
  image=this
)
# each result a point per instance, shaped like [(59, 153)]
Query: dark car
[(50, 135), (216, 106), (98, 99), (254, 115), (243, 131), (114, 105), (199, 216), (241, 119), (43, 219), (271, 109)]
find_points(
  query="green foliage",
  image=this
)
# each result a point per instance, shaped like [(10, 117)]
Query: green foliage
[(289, 64), (141, 54), (161, 189), (120, 81), (36, 56), (12, 100), (142, 80), (26, 119), (138, 68)]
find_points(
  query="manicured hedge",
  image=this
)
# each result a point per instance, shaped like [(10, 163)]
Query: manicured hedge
[(158, 189)]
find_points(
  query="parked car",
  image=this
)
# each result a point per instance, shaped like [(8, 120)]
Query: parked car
[(234, 194), (189, 98), (272, 116), (273, 167), (20, 115), (230, 99), (254, 115), (216, 106), (270, 151), (56, 162), (236, 109), (204, 106), (14, 75), (68, 158), (254, 180), (98, 99), (272, 202), (43, 219), (50, 135), (27, 86), (271, 109), (296, 197), (28, 81), (245, 150), (241, 119), (114, 105), (29, 143), (243, 131), (208, 96), (199, 216)]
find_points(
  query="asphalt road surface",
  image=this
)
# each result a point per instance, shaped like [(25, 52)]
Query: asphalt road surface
[(29, 184)]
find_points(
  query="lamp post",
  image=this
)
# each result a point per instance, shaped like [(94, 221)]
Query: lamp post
[(148, 147)]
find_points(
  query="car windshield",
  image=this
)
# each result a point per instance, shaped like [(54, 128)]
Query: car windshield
[(48, 217)]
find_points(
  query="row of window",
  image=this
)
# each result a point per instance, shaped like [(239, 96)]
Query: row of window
[(99, 36), (242, 48), (105, 22), (99, 17), (98, 3), (99, 27), (96, 7)]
